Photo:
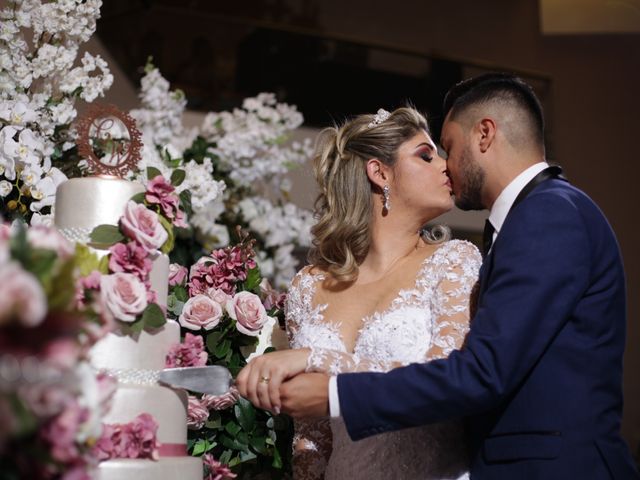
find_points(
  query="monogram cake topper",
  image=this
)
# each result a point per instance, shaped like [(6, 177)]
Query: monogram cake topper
[(109, 140)]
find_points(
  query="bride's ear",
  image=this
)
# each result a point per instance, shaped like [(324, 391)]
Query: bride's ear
[(379, 174)]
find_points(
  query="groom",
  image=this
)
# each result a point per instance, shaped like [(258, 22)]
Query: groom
[(539, 378)]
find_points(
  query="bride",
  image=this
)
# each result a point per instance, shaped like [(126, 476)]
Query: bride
[(380, 293)]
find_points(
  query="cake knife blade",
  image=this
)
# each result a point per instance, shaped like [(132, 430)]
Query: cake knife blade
[(211, 379)]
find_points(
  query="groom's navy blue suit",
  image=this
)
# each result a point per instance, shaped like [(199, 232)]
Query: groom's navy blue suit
[(539, 378)]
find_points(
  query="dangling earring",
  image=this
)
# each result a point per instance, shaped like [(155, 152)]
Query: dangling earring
[(385, 194)]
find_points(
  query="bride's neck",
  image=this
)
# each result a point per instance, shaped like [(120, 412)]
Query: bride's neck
[(390, 241)]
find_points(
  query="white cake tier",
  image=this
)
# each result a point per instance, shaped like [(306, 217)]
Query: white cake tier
[(84, 203), (146, 350), (183, 468), (168, 407)]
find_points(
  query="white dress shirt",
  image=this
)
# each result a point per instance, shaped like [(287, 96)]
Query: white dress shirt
[(497, 216)]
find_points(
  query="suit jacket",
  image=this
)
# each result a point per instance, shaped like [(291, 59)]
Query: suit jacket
[(539, 378)]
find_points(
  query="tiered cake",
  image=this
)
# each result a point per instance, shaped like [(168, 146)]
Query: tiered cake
[(81, 205)]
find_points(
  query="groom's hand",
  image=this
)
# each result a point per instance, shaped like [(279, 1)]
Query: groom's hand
[(306, 396)]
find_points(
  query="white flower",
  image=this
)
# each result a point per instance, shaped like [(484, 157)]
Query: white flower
[(5, 188)]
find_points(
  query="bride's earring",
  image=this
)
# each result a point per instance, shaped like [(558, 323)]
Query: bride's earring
[(385, 194)]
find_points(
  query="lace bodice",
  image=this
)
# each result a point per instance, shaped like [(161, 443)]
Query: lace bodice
[(422, 323)]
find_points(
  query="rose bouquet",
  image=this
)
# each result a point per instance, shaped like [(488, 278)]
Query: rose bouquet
[(51, 401), (228, 313)]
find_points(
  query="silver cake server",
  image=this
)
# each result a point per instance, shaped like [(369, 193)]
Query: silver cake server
[(212, 379)]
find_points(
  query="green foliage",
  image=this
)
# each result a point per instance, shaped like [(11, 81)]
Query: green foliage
[(106, 235), (153, 317)]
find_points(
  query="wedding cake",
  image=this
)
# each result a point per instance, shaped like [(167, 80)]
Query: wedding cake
[(134, 359)]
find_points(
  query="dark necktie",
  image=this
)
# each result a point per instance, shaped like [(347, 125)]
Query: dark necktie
[(487, 237)]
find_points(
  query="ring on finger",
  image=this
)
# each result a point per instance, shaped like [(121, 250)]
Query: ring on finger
[(264, 380)]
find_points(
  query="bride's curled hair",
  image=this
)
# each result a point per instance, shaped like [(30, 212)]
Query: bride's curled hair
[(343, 209)]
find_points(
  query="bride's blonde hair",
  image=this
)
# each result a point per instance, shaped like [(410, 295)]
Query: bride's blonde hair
[(343, 209)]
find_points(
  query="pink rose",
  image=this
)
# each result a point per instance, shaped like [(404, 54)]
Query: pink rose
[(219, 296), (142, 225), (177, 274), (247, 309), (21, 296), (189, 353), (200, 312), (61, 432), (221, 402), (130, 257), (272, 298), (197, 414), (124, 295)]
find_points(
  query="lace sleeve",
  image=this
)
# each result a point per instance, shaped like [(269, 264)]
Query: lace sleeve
[(334, 362), (451, 299), (312, 445)]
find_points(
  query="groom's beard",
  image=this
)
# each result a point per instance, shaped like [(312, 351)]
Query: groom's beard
[(472, 182)]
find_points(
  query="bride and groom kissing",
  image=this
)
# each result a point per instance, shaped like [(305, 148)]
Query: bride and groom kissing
[(388, 376)]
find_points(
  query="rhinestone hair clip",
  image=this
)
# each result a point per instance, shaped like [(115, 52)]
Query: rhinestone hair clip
[(380, 116)]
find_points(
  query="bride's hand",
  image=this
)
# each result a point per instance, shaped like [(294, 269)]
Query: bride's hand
[(260, 380)]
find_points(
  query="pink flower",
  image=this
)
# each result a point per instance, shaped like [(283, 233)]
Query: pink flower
[(197, 414), (177, 274), (219, 296), (45, 399), (90, 282), (200, 312), (247, 309), (49, 238), (160, 192), (62, 352), (214, 470), (136, 439), (222, 270), (124, 295), (142, 225), (272, 298), (221, 402), (130, 258), (21, 296), (62, 431), (189, 353)]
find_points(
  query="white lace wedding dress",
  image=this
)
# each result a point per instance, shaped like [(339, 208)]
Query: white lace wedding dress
[(423, 323)]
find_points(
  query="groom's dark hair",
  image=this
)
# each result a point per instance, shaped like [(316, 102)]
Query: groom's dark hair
[(500, 88)]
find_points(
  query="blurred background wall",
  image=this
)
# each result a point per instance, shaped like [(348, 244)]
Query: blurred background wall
[(332, 58)]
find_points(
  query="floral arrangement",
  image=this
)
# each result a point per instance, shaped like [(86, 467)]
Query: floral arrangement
[(229, 314), (235, 166), (51, 401), (40, 81), (145, 229)]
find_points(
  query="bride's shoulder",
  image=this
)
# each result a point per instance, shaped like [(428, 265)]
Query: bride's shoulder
[(308, 272), (459, 252)]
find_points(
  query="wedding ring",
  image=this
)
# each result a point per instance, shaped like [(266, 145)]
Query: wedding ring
[(264, 379)]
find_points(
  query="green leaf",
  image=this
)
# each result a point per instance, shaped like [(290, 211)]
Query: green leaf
[(138, 197), (253, 279), (259, 444), (246, 456), (153, 316), (106, 235), (222, 348), (169, 244), (232, 443), (233, 428), (185, 202), (133, 328), (86, 260), (174, 305), (212, 340), (181, 293), (177, 177), (152, 172), (234, 461), (225, 458), (103, 266), (200, 447), (277, 459), (246, 414), (19, 246)]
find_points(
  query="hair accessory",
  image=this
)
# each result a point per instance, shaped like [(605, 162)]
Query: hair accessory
[(380, 116), (385, 194)]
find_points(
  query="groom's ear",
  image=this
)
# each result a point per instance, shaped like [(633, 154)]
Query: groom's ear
[(379, 174), (486, 131)]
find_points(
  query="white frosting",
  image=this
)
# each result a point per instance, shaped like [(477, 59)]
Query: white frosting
[(145, 351), (164, 469), (168, 407)]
